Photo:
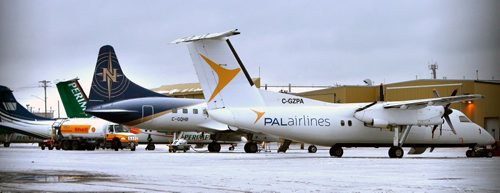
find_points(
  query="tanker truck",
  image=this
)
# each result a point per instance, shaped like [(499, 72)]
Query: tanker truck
[(89, 134)]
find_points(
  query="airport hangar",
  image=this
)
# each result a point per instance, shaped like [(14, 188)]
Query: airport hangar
[(485, 112)]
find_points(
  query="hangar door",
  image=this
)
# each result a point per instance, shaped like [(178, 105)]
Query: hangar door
[(492, 126)]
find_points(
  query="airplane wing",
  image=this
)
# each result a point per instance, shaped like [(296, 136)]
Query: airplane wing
[(214, 126), (441, 101)]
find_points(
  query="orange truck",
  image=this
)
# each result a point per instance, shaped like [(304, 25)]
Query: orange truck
[(89, 134)]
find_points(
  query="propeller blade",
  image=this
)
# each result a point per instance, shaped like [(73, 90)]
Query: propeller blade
[(454, 92), (435, 92), (447, 118)]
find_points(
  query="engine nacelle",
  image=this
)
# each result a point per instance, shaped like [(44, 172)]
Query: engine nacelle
[(379, 123)]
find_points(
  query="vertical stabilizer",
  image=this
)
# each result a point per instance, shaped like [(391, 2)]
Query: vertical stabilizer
[(223, 78), (73, 98), (110, 84), (10, 107)]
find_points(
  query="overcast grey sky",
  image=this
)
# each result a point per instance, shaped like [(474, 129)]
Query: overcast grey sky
[(298, 42)]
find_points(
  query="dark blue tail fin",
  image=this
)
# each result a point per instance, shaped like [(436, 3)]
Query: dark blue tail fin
[(110, 83), (10, 106)]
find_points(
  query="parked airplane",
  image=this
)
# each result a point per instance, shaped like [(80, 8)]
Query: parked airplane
[(115, 98), (75, 102), (237, 102), (81, 132)]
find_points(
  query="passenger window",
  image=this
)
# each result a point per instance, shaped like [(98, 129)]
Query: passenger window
[(349, 123), (185, 111), (342, 123), (174, 110), (464, 119), (195, 111)]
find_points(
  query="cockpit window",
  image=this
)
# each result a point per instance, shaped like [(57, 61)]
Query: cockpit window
[(464, 119)]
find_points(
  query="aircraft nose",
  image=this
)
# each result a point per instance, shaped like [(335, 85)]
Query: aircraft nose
[(488, 138)]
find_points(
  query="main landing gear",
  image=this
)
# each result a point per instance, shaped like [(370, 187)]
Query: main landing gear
[(336, 151), (214, 147), (251, 147), (396, 151), (472, 152)]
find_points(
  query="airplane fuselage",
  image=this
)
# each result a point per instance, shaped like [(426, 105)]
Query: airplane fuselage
[(336, 124)]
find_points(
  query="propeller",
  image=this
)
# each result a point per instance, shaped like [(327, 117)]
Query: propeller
[(381, 98), (446, 114)]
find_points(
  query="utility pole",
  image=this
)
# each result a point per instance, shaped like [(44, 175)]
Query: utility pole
[(45, 84), (433, 68)]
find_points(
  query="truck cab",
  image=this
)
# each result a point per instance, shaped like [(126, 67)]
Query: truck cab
[(117, 137)]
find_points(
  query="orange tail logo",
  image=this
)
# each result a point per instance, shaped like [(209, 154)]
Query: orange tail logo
[(225, 76), (259, 115)]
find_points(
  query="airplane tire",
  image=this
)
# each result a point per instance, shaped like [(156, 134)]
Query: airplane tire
[(251, 148), (6, 144), (312, 149), (43, 147), (336, 151), (51, 147), (469, 153), (132, 147), (150, 147), (90, 147), (396, 152), (215, 147), (75, 145)]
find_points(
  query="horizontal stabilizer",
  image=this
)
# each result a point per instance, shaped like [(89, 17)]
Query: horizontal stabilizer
[(207, 36)]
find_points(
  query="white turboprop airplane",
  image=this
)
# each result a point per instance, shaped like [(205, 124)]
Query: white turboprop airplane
[(379, 124)]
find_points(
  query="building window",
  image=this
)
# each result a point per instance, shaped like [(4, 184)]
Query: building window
[(349, 123), (174, 110), (195, 111), (342, 123), (185, 111)]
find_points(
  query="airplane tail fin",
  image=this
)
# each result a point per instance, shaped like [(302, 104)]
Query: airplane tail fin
[(110, 83), (223, 78), (73, 98), (10, 107)]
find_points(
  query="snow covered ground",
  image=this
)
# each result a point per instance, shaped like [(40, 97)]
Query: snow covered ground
[(24, 167)]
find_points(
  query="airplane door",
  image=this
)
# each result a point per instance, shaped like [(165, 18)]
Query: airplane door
[(147, 112), (492, 126)]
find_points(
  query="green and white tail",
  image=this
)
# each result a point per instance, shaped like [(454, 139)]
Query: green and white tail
[(223, 78), (73, 98)]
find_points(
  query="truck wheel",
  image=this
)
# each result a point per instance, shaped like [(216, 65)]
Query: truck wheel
[(116, 144), (132, 147), (75, 145), (90, 147), (58, 147), (51, 147), (43, 147), (66, 145)]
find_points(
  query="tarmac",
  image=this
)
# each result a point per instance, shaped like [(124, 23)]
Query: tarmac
[(26, 168)]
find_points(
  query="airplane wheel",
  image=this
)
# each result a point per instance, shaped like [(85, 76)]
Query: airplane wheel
[(469, 153), (43, 147), (90, 147), (336, 151), (312, 149), (396, 152), (51, 147), (6, 144), (215, 147), (251, 148), (132, 147), (75, 145)]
